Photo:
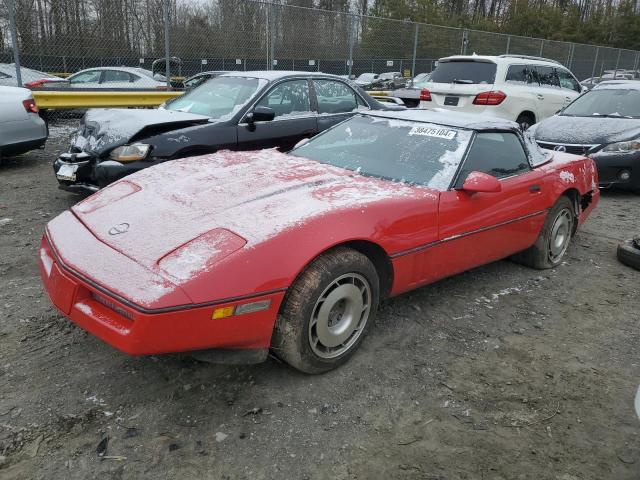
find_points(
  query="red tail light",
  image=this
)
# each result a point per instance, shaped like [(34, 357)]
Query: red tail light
[(493, 97), (36, 83), (425, 95), (30, 105)]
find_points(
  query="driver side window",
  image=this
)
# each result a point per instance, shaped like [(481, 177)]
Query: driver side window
[(289, 98), (498, 154)]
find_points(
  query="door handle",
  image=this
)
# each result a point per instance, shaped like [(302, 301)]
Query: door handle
[(567, 99), (540, 96), (534, 188)]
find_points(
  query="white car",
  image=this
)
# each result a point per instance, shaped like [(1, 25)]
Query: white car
[(117, 78), (513, 87), (30, 78), (21, 128)]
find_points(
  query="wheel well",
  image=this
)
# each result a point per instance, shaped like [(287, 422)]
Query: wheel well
[(529, 114), (380, 260), (574, 195)]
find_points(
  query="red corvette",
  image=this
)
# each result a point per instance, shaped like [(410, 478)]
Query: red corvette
[(242, 252)]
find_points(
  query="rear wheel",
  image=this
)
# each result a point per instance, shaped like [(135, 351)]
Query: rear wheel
[(327, 311), (554, 238), (525, 120)]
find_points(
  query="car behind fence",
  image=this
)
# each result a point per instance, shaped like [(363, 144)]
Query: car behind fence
[(253, 35)]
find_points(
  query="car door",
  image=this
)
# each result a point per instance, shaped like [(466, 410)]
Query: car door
[(522, 92), (88, 79), (477, 228), (116, 79), (549, 94), (294, 118), (336, 101)]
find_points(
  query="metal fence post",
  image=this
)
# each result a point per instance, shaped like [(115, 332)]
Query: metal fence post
[(167, 64), (272, 43), (352, 34), (508, 44), (415, 49), (595, 63), (541, 47), (617, 64), (14, 41)]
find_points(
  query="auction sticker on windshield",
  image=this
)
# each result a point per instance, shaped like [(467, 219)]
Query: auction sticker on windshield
[(433, 132)]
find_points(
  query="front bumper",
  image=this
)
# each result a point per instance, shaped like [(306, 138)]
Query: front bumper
[(139, 331), (613, 169), (87, 174)]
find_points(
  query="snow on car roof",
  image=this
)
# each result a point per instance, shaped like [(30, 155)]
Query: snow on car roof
[(619, 85), (448, 118)]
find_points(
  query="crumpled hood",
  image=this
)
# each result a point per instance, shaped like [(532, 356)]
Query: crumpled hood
[(586, 130), (102, 130), (252, 195)]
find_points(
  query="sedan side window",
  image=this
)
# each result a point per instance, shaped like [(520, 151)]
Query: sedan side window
[(86, 77), (334, 97), (113, 76), (289, 98), (568, 81), (498, 154)]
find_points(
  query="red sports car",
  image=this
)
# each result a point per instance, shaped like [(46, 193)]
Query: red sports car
[(242, 252)]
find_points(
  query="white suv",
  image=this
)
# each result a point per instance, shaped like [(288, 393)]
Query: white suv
[(514, 87)]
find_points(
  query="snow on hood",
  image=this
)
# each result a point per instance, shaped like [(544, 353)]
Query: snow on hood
[(103, 129), (586, 130), (254, 195)]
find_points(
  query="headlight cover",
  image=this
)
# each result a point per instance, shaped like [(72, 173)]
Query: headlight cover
[(130, 153), (623, 147)]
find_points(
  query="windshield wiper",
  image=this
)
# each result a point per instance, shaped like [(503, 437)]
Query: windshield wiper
[(462, 81)]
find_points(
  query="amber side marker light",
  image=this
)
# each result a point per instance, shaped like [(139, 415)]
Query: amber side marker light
[(225, 312)]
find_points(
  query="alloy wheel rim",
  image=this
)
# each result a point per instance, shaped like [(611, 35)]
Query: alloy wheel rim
[(340, 315), (560, 235)]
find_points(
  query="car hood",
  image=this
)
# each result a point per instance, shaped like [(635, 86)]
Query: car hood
[(229, 199), (586, 130), (102, 130)]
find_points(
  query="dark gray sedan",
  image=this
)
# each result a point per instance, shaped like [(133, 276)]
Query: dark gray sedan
[(605, 124), (237, 111)]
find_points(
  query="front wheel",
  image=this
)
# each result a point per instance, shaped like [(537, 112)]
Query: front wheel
[(327, 311), (554, 238)]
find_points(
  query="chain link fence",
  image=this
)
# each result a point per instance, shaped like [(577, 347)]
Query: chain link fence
[(65, 36)]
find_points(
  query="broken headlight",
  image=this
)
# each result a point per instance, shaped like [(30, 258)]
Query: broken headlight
[(130, 153)]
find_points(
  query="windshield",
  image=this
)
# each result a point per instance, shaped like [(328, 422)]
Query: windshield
[(416, 153), (367, 77), (466, 72), (220, 98), (606, 102)]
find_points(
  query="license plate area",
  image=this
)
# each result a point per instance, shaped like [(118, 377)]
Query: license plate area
[(453, 101), (67, 172)]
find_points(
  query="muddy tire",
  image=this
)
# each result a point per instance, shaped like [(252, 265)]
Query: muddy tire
[(629, 253), (554, 238), (327, 312)]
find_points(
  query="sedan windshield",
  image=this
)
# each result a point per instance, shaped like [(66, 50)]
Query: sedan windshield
[(416, 153), (606, 102), (219, 98)]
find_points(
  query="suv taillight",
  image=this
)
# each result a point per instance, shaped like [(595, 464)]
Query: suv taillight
[(492, 97), (425, 95), (30, 105)]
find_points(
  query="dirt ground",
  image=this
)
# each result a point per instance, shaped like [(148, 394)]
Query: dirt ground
[(500, 373)]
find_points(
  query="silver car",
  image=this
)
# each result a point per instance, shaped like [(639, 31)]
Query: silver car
[(21, 128), (117, 78), (30, 78)]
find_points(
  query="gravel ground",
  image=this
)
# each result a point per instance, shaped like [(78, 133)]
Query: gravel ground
[(499, 373)]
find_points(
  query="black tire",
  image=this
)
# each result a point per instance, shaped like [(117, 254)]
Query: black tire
[(293, 336), (541, 255), (629, 253), (525, 120)]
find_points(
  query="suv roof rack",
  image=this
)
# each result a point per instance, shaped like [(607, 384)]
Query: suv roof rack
[(529, 57)]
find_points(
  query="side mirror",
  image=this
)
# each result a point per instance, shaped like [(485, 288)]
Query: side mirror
[(583, 89), (261, 114), (479, 182)]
